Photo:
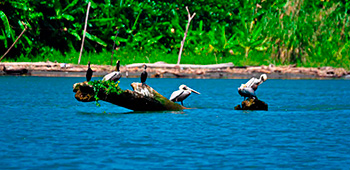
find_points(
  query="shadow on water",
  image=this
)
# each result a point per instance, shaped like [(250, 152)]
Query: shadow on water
[(157, 112), (104, 113), (100, 114)]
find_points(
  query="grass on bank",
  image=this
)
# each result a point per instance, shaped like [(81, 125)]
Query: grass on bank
[(131, 56)]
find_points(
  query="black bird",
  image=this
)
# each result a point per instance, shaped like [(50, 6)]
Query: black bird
[(88, 73), (115, 75), (144, 75)]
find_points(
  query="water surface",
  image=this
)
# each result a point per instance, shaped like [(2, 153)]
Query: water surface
[(307, 126)]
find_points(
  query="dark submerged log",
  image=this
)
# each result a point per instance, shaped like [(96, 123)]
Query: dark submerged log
[(142, 98), (15, 71), (252, 104)]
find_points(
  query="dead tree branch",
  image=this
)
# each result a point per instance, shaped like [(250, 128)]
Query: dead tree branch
[(20, 35), (142, 98), (190, 17), (82, 43), (115, 39)]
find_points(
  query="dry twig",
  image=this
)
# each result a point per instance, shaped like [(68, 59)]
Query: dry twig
[(20, 35), (82, 43), (115, 39), (185, 34)]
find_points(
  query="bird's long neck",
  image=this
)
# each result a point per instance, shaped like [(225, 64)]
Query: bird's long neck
[(118, 66), (261, 79)]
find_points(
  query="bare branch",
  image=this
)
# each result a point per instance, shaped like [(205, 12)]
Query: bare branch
[(20, 35), (115, 39), (82, 43), (185, 34)]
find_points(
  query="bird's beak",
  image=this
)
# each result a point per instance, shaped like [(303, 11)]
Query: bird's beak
[(194, 91)]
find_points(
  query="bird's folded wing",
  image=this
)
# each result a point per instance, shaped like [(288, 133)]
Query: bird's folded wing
[(242, 86), (251, 82), (175, 95)]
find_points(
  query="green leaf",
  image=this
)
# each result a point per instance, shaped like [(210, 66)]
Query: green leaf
[(6, 24), (120, 39), (155, 39), (3, 37), (103, 20), (68, 17), (261, 48), (75, 34), (70, 5), (96, 39), (30, 43), (137, 18), (58, 7), (256, 32)]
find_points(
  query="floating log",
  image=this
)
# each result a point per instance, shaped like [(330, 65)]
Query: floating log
[(252, 104), (15, 71), (186, 66), (142, 98), (186, 70)]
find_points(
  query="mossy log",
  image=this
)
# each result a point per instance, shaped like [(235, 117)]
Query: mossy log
[(142, 98), (252, 104)]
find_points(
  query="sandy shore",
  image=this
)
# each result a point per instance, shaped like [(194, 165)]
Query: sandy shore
[(163, 70)]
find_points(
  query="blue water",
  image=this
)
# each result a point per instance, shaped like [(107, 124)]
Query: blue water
[(42, 126)]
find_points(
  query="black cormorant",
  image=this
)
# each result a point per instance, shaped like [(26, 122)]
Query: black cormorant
[(144, 75), (88, 73)]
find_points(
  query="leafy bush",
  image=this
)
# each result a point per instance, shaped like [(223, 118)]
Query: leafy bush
[(306, 33), (107, 87)]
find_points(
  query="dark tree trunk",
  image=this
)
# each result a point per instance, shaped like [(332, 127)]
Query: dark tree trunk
[(252, 104), (142, 98)]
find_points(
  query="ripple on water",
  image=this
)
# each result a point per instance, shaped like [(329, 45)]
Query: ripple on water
[(42, 126)]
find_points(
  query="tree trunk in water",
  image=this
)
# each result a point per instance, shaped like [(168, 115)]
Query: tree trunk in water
[(142, 98)]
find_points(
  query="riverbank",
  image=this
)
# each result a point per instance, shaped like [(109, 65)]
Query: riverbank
[(164, 70)]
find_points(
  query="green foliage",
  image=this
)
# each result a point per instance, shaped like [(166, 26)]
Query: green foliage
[(107, 87), (306, 33), (7, 32)]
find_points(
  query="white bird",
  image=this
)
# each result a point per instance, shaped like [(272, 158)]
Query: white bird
[(115, 75), (181, 94), (248, 89)]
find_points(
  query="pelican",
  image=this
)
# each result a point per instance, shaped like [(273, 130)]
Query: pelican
[(115, 75), (247, 92), (248, 89), (181, 94), (144, 75), (88, 73)]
